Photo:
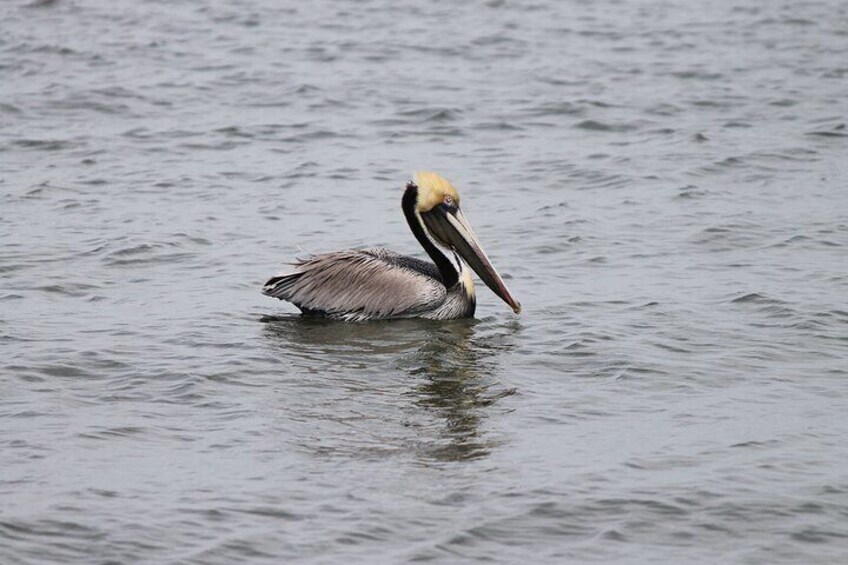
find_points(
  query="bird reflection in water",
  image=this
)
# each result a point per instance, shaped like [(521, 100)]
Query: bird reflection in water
[(443, 373)]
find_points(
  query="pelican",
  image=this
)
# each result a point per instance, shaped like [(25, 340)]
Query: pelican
[(378, 284)]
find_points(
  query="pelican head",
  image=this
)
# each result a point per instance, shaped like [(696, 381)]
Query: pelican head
[(438, 208)]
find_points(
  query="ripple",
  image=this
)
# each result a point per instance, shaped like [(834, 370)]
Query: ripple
[(594, 125), (43, 144), (836, 131)]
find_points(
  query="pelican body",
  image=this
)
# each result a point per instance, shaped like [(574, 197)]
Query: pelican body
[(378, 284)]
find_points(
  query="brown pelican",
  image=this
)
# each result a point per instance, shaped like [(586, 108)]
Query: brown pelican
[(377, 284)]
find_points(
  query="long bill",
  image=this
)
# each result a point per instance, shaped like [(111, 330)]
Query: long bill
[(452, 229)]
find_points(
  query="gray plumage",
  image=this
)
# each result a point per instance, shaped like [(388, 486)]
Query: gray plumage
[(370, 284)]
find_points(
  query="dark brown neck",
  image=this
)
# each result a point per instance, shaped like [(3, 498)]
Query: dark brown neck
[(446, 269)]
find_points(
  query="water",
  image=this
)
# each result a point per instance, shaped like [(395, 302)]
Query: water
[(663, 183)]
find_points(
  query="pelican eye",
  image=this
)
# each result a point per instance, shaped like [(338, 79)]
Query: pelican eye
[(448, 199)]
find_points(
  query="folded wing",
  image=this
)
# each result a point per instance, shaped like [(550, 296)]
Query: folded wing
[(360, 284)]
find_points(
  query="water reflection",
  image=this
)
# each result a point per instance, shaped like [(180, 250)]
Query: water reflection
[(445, 371)]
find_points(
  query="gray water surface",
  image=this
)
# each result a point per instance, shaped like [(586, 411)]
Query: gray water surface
[(662, 183)]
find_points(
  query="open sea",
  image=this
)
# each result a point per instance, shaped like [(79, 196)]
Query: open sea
[(663, 184)]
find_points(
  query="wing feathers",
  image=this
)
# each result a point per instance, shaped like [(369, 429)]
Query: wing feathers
[(359, 285)]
